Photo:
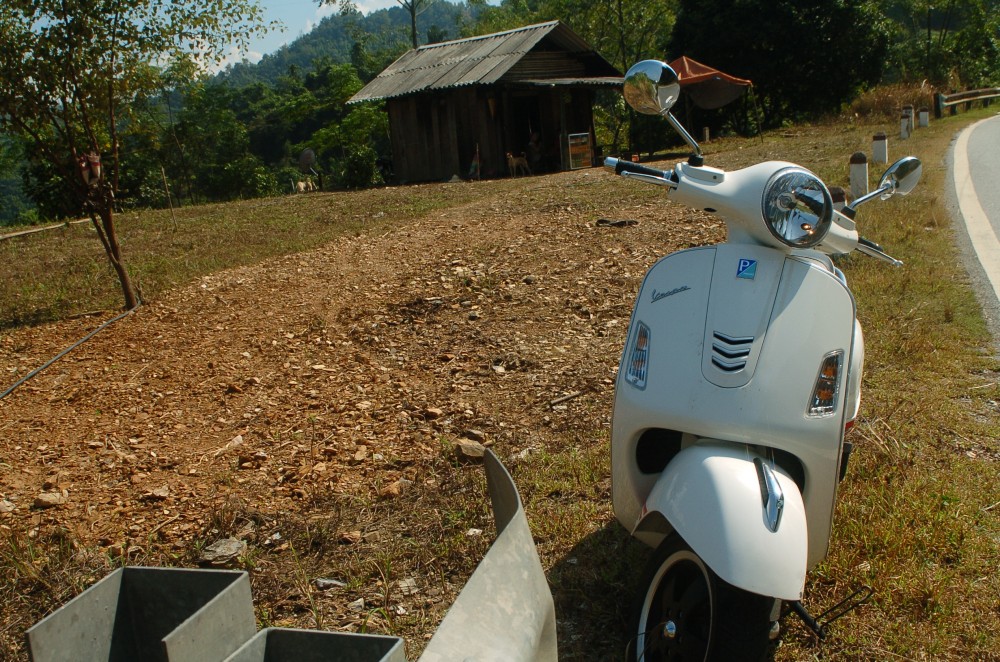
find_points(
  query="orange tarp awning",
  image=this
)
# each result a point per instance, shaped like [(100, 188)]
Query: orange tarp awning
[(708, 88)]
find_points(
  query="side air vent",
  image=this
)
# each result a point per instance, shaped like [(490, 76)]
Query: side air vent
[(730, 354)]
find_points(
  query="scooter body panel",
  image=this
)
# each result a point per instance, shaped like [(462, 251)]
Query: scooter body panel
[(711, 495), (779, 315)]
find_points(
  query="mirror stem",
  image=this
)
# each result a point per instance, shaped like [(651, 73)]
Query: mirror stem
[(697, 158), (865, 198)]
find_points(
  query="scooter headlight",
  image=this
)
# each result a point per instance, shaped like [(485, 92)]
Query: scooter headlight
[(797, 207)]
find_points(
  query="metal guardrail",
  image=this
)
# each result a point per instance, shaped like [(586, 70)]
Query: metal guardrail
[(952, 101)]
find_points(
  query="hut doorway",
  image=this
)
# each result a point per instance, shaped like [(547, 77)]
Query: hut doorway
[(524, 128)]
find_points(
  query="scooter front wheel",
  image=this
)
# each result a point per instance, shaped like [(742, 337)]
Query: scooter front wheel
[(687, 612)]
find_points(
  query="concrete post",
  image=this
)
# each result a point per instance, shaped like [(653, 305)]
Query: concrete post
[(925, 117), (859, 174), (908, 111), (880, 148), (904, 126)]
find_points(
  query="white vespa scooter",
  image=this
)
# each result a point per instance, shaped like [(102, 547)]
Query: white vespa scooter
[(740, 373)]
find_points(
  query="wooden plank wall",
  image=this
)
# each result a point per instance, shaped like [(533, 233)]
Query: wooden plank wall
[(434, 136)]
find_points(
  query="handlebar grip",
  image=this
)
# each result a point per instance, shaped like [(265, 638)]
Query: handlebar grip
[(620, 166), (869, 244)]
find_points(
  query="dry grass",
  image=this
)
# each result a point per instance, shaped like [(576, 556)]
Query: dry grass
[(917, 518), (884, 102), (64, 272)]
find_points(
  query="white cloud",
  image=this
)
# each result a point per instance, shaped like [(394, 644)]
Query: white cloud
[(232, 56), (322, 12), (368, 6)]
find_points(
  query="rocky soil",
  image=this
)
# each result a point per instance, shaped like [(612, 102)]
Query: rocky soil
[(314, 408)]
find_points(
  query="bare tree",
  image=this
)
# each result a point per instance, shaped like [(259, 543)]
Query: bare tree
[(71, 73)]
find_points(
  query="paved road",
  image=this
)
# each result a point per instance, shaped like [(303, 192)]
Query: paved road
[(975, 166)]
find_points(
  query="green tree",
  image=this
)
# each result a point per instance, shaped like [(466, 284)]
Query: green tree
[(806, 58), (336, 131), (217, 163), (15, 207), (72, 73), (948, 42), (507, 15), (977, 45), (413, 8)]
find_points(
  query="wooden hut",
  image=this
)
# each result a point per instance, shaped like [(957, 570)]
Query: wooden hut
[(459, 107)]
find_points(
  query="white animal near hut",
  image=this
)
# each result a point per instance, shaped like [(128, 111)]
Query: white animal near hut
[(303, 186)]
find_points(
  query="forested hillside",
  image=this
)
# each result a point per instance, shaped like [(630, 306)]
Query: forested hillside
[(344, 37)]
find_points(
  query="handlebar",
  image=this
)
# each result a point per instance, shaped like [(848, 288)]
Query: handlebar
[(652, 175), (735, 202), (871, 249)]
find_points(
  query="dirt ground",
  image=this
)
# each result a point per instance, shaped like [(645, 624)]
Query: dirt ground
[(315, 400)]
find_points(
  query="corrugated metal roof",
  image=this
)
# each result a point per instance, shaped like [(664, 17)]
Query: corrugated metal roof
[(590, 81), (474, 61)]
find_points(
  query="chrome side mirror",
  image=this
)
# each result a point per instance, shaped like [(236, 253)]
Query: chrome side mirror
[(901, 177), (651, 87)]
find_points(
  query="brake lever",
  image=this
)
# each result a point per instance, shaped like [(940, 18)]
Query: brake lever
[(871, 249)]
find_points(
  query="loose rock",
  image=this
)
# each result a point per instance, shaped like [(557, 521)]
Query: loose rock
[(327, 584), (51, 499), (223, 552), (469, 450), (396, 488)]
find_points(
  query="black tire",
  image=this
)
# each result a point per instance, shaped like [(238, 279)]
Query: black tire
[(686, 612)]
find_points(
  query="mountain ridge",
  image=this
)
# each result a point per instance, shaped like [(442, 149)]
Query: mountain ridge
[(343, 37)]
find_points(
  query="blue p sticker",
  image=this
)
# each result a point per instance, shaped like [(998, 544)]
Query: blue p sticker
[(747, 269)]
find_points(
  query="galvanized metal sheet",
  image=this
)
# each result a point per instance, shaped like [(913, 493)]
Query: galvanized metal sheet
[(156, 614), (295, 645), (505, 612)]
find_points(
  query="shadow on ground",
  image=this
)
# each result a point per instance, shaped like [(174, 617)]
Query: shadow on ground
[(594, 587)]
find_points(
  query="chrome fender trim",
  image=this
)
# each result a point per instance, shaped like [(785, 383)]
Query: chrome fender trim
[(711, 494)]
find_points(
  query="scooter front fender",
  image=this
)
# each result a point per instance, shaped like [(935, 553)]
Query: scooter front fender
[(710, 494)]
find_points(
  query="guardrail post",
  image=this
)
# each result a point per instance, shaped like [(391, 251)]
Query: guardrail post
[(938, 105), (925, 118), (880, 148), (859, 174), (904, 126)]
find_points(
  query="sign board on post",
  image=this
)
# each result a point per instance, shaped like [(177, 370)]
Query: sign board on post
[(580, 153)]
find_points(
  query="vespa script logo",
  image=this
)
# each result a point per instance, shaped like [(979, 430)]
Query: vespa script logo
[(663, 295), (747, 269)]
